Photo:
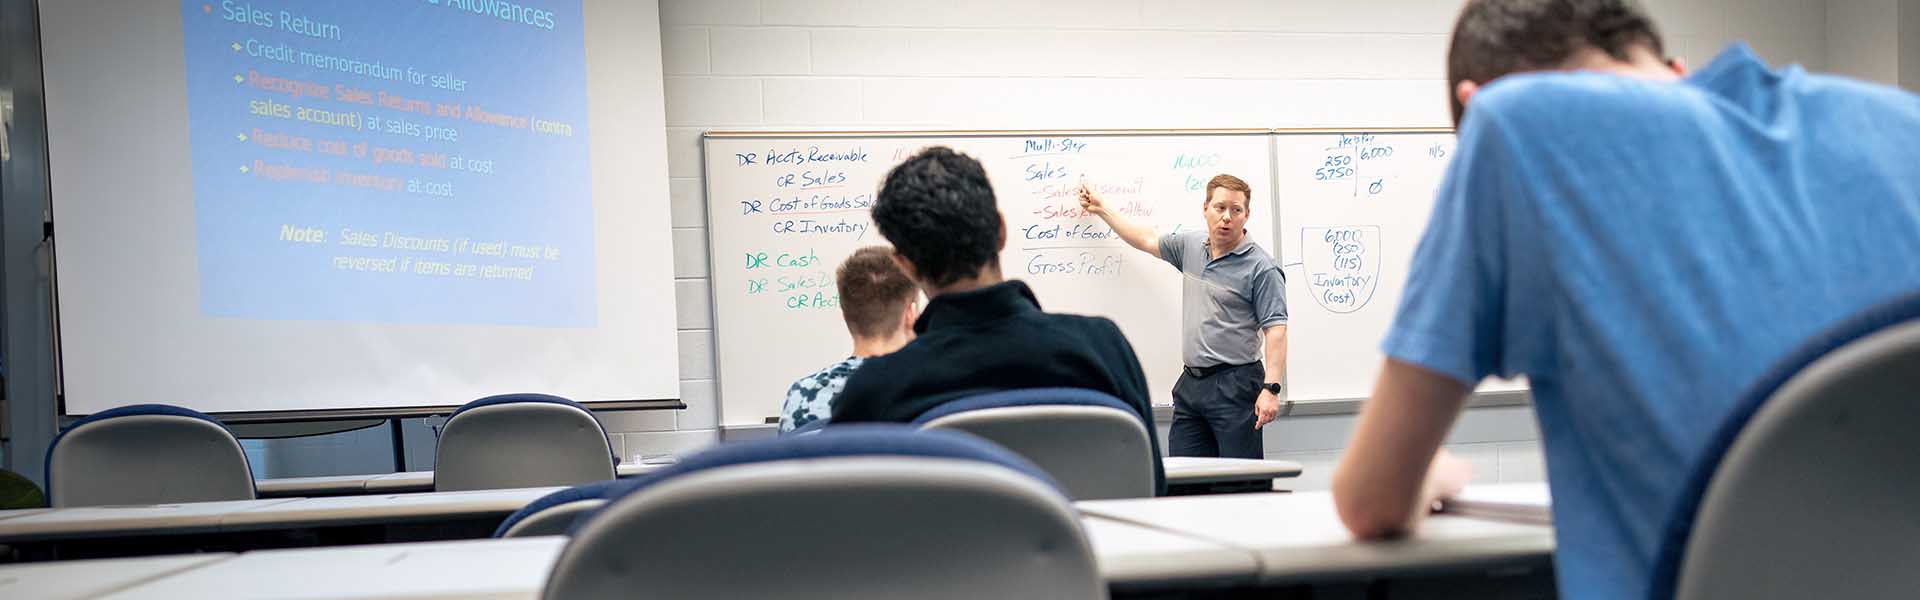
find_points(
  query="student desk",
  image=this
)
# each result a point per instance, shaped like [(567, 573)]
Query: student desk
[(300, 487), (1185, 475), (1129, 556), (21, 512), (77, 579), (388, 508), (497, 569), (252, 524), (383, 483), (1298, 539), (123, 521), (1157, 546), (1135, 557), (1189, 475)]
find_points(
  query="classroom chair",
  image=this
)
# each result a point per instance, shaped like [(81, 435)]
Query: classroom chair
[(1808, 490), (857, 511), (1090, 442), (521, 440), (553, 514), (146, 454)]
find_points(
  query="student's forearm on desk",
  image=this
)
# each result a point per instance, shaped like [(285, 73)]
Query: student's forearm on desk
[(1386, 479)]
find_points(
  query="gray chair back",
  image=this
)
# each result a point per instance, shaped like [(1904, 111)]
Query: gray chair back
[(1815, 498), (1095, 452), (515, 444), (146, 454), (854, 527)]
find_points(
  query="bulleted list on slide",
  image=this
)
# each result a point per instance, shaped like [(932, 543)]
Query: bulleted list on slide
[(415, 161)]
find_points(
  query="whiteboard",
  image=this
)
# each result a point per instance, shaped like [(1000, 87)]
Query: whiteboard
[(785, 210), (1354, 206)]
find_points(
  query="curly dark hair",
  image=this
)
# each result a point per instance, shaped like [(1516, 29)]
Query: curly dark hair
[(938, 211), (1493, 38)]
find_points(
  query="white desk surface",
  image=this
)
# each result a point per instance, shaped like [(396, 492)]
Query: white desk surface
[(347, 510), (21, 512), (406, 481), (244, 515), (301, 486), (494, 569), (77, 579), (1132, 555), (422, 481), (1298, 537), (517, 568), (1196, 469), (103, 521), (1180, 470)]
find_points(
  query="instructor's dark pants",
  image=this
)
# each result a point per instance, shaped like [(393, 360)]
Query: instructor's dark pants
[(1213, 415)]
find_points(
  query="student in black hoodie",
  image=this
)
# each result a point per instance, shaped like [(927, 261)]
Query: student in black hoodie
[(979, 333)]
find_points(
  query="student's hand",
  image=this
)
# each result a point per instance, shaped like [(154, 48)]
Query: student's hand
[(1446, 477), (1265, 409), (1091, 201)]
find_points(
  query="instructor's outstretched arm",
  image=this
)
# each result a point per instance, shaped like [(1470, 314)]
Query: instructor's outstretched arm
[(1138, 235)]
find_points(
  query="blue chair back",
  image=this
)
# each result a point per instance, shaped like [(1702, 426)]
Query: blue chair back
[(854, 511), (553, 514), (1055, 396), (499, 399), (522, 440), (1094, 444), (146, 454)]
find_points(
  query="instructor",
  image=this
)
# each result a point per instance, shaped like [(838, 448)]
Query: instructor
[(1234, 298)]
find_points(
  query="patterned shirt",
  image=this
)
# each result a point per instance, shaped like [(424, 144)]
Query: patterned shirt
[(811, 398)]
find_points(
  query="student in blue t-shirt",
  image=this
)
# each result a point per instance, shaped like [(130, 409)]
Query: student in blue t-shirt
[(879, 304), (1641, 244)]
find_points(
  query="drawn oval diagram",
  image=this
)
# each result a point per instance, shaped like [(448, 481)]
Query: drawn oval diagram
[(1341, 265)]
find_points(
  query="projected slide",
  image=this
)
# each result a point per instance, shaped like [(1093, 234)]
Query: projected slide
[(416, 161)]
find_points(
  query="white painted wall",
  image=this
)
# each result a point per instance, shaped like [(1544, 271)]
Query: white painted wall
[(1782, 31), (1909, 44), (1070, 64), (1863, 39)]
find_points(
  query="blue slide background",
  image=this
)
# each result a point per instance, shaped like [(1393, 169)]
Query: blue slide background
[(540, 192)]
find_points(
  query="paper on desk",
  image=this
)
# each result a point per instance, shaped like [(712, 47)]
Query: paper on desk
[(1518, 502)]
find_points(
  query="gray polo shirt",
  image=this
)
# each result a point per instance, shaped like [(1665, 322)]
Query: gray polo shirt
[(1227, 302)]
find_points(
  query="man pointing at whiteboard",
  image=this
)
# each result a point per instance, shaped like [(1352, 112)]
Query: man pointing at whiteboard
[(1233, 302)]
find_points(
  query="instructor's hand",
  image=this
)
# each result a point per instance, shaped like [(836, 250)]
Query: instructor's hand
[(1090, 200), (1265, 409)]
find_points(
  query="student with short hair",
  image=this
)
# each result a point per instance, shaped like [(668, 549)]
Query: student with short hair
[(1639, 242), (979, 333), (879, 304)]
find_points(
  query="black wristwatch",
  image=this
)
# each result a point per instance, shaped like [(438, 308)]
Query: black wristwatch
[(1271, 387)]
